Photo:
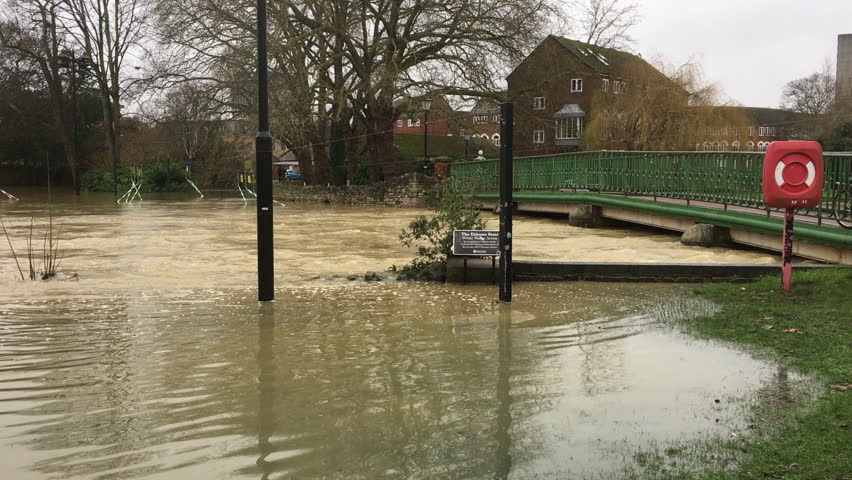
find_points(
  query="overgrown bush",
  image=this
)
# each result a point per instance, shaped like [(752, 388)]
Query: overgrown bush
[(456, 208), (158, 176), (362, 172)]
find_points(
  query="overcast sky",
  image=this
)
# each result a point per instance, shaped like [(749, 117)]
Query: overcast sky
[(751, 48)]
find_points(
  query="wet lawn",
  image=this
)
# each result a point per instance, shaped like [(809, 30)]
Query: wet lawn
[(809, 331)]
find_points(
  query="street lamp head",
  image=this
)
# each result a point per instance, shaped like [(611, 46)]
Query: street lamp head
[(426, 103)]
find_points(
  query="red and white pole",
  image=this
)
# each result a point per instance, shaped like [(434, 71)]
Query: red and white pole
[(787, 252), (9, 195)]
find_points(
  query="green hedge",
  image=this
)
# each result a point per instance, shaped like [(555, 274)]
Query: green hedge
[(160, 176)]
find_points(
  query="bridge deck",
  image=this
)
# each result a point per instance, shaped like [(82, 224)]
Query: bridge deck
[(730, 218)]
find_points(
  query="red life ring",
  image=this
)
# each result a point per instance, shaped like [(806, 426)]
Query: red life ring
[(795, 173)]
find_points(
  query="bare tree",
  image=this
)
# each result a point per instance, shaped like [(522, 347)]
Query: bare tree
[(352, 63), (33, 29), (399, 49), (813, 95), (109, 31), (605, 23)]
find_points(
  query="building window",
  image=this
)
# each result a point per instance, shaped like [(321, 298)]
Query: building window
[(538, 136), (750, 131), (496, 139), (618, 87), (761, 146), (750, 146), (569, 128), (399, 123), (708, 146), (410, 122), (605, 85), (735, 146), (496, 119), (762, 132), (723, 147), (538, 103), (772, 131), (576, 85), (417, 123)]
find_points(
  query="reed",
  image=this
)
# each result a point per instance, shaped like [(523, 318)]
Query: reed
[(14, 255)]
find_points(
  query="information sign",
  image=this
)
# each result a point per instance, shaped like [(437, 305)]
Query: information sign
[(480, 243)]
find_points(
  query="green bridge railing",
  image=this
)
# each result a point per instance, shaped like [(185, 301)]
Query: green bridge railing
[(728, 178)]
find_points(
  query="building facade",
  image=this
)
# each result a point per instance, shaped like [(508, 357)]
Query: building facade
[(765, 125), (482, 121), (553, 90), (412, 121)]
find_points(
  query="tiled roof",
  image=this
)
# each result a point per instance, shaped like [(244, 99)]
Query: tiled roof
[(485, 106), (605, 61), (570, 110), (772, 116)]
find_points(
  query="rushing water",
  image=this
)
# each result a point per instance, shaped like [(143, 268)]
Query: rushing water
[(159, 363)]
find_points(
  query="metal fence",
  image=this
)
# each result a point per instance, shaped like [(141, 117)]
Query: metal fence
[(727, 178)]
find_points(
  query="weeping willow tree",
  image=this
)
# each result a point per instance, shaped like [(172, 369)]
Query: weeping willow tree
[(663, 111)]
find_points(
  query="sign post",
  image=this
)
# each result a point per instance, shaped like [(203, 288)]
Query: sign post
[(506, 124), (792, 177)]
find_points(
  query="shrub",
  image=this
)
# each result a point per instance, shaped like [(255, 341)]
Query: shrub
[(159, 176), (456, 208)]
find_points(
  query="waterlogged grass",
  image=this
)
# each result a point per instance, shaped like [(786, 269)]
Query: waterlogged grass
[(794, 433)]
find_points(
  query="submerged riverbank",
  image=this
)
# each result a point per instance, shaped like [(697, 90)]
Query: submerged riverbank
[(791, 436), (160, 363)]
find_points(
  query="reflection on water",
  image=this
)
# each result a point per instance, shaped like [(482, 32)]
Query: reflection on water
[(159, 363), (356, 381)]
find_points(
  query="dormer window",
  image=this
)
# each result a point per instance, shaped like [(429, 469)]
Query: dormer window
[(538, 103), (576, 85), (605, 85)]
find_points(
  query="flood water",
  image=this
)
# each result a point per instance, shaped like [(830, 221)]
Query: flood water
[(159, 363)]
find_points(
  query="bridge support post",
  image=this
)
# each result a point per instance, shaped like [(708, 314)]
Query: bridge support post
[(506, 124)]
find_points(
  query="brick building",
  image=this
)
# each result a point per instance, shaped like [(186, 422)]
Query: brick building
[(765, 125), (442, 120), (554, 87), (482, 121)]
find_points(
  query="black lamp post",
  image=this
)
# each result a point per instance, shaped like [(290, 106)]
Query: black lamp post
[(68, 60), (263, 167), (427, 105)]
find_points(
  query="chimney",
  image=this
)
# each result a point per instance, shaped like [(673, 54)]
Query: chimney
[(844, 66)]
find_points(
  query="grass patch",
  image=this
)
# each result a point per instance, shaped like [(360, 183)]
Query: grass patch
[(810, 331)]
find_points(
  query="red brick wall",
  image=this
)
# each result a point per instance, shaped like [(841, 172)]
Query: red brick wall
[(547, 72)]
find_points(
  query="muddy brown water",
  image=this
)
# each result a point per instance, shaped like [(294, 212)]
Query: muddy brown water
[(159, 363)]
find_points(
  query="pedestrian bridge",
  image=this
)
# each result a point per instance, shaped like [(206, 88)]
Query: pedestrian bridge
[(675, 190)]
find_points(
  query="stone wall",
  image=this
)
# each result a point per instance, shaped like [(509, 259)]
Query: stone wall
[(406, 191)]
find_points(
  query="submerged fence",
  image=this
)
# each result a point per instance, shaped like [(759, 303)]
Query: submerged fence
[(728, 178)]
